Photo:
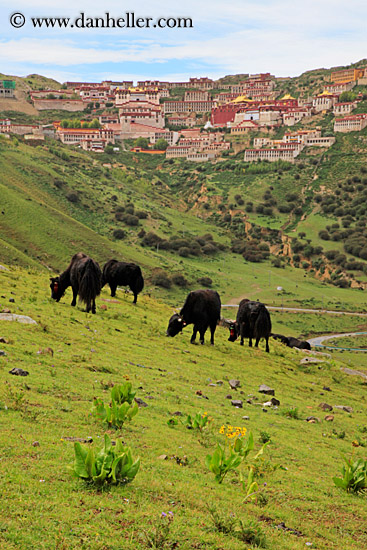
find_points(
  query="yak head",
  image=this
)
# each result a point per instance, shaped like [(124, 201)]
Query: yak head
[(233, 332), (175, 325), (56, 292)]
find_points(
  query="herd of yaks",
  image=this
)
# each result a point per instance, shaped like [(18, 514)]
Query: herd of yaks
[(201, 308)]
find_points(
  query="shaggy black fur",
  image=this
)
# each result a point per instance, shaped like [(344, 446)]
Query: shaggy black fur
[(84, 276), (253, 321), (121, 273), (292, 342), (202, 308)]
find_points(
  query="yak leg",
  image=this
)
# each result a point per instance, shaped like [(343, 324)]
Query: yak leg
[(93, 306), (194, 333), (113, 287), (250, 341), (75, 294), (212, 331), (267, 343), (241, 332), (202, 334), (135, 297), (257, 342)]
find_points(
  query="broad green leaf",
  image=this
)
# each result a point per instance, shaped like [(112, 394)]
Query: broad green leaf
[(80, 456), (133, 469), (99, 479), (90, 463), (339, 482), (261, 450)]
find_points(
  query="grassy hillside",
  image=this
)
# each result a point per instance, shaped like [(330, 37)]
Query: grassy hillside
[(57, 201), (73, 357)]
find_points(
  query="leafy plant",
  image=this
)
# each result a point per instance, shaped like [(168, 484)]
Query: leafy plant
[(112, 464), (264, 437), (220, 464), (292, 413), (251, 486), (197, 422), (229, 456), (121, 408), (354, 474), (172, 421)]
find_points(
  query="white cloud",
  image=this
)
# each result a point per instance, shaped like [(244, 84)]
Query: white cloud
[(281, 36)]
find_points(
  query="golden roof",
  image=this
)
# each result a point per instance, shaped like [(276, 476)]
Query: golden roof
[(241, 99), (287, 96)]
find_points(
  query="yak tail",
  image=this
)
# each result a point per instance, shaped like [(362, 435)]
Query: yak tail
[(90, 283), (263, 323)]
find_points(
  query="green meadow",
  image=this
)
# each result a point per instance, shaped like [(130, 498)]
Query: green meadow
[(58, 200), (73, 357)]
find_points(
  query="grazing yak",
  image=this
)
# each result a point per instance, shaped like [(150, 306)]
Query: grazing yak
[(124, 274), (202, 308), (292, 342), (84, 276), (253, 321)]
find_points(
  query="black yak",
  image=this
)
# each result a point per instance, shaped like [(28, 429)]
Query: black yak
[(292, 342), (202, 308), (84, 276), (253, 321), (121, 273)]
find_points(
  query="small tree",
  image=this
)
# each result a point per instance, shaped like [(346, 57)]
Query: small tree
[(141, 142), (161, 144), (95, 123)]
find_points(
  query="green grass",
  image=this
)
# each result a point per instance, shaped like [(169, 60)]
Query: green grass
[(124, 341), (312, 324), (41, 226), (349, 342)]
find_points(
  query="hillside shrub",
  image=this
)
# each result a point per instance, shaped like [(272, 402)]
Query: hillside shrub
[(131, 220), (308, 251), (179, 280), (151, 239), (209, 248), (184, 251), (331, 254), (297, 246), (72, 197), (119, 234), (141, 214), (324, 235), (276, 262), (59, 183), (160, 278), (342, 283), (205, 281)]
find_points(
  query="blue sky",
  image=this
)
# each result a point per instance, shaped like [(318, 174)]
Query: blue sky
[(284, 37)]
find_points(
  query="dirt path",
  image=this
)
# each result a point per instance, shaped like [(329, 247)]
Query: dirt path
[(318, 341)]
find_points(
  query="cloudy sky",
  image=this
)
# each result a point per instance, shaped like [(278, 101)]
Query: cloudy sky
[(285, 37)]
